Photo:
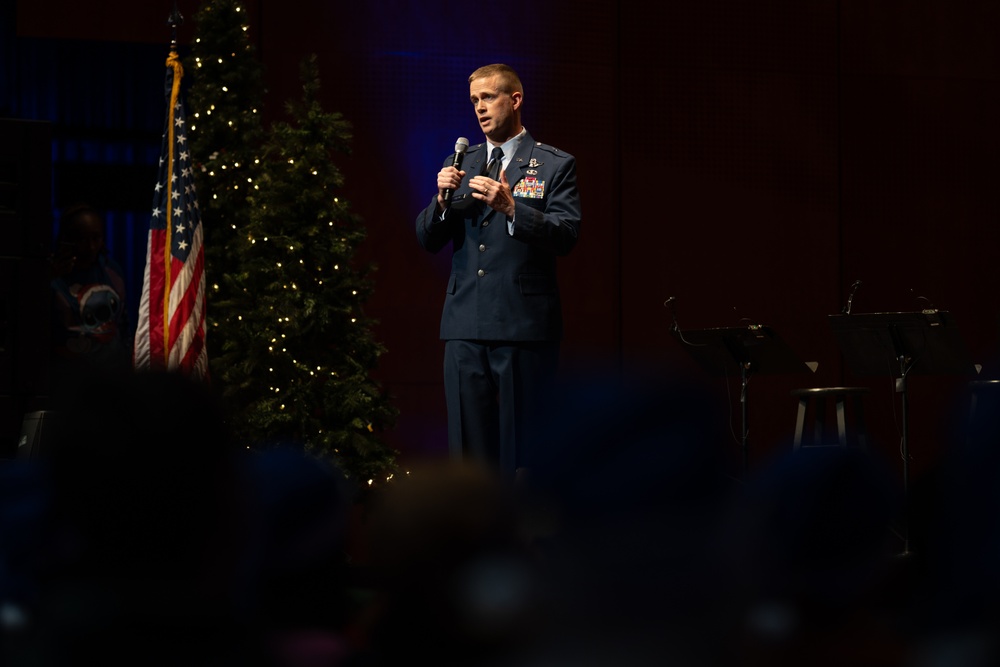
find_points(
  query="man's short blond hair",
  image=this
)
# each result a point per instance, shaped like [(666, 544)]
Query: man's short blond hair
[(507, 78)]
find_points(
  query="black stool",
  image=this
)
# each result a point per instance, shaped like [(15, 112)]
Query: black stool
[(813, 404)]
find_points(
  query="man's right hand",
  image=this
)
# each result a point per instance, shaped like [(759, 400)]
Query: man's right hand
[(449, 178)]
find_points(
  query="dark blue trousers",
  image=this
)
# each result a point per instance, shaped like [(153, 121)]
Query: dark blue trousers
[(495, 391)]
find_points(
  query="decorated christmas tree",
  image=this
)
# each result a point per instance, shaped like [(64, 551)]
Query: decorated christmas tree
[(225, 99), (290, 345)]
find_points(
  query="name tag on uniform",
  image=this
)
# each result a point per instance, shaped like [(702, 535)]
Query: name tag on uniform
[(530, 187)]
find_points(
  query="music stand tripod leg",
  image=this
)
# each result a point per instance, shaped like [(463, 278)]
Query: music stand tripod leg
[(745, 426), (905, 453)]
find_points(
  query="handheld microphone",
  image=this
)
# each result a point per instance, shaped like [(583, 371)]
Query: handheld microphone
[(461, 145)]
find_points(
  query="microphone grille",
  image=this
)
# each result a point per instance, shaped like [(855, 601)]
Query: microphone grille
[(461, 145)]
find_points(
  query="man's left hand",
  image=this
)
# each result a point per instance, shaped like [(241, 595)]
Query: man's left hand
[(496, 194)]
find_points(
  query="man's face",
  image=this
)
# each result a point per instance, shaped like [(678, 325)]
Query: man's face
[(494, 109)]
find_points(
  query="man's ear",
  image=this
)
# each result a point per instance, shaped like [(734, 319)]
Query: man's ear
[(516, 98)]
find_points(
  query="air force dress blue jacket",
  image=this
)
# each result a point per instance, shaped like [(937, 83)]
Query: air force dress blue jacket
[(503, 286)]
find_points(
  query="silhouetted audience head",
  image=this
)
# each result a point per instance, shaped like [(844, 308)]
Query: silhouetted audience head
[(958, 609), (296, 559), (624, 495), (454, 581), (141, 464), (806, 552), (144, 527)]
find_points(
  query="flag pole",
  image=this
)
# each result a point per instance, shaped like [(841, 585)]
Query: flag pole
[(170, 331), (174, 20)]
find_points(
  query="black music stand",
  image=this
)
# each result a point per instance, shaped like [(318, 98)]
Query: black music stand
[(925, 342), (747, 350)]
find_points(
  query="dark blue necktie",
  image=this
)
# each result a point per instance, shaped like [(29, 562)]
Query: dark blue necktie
[(493, 171)]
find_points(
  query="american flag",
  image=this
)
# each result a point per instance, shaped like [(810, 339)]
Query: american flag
[(170, 333)]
